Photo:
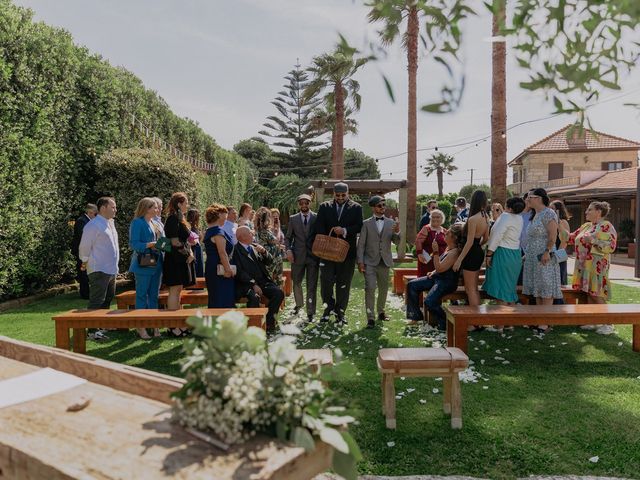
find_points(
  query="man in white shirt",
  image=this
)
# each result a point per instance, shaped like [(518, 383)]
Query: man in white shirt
[(230, 226), (100, 254)]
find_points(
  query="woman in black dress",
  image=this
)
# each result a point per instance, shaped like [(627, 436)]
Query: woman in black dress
[(178, 268), (476, 233)]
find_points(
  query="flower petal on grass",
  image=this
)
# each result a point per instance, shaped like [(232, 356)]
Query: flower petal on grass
[(594, 459)]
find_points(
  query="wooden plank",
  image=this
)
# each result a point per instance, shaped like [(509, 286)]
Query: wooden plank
[(124, 436), (136, 381)]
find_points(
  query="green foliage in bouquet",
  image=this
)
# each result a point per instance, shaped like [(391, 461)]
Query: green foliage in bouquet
[(237, 385)]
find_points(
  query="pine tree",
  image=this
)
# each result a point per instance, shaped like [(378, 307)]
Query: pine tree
[(294, 126)]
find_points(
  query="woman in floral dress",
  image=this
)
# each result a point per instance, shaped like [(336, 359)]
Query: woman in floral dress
[(594, 241), (267, 239)]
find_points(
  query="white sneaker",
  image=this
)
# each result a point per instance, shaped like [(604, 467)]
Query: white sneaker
[(605, 330), (97, 335), (588, 327)]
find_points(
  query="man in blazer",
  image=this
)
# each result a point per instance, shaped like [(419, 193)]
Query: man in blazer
[(252, 279), (81, 274), (299, 254), (374, 257), (343, 217)]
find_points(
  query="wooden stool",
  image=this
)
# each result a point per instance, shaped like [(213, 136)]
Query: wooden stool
[(422, 362)]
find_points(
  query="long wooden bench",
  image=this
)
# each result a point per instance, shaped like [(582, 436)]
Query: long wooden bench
[(459, 318), (127, 300), (80, 320), (287, 288)]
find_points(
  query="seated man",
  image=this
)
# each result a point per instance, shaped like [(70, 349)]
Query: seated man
[(252, 279)]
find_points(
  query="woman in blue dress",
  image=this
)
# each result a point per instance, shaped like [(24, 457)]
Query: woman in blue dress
[(218, 247)]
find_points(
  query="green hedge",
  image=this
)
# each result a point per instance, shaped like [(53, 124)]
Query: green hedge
[(61, 108)]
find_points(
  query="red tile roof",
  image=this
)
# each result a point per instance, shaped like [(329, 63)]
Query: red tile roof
[(593, 140), (624, 179)]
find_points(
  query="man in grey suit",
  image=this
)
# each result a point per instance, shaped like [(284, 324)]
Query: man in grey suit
[(299, 254), (374, 257)]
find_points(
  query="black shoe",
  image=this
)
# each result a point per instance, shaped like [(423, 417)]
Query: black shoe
[(383, 317), (310, 318), (371, 323), (295, 310), (324, 318), (340, 320)]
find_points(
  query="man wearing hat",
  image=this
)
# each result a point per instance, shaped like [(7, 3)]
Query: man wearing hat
[(343, 216), (299, 254), (374, 257)]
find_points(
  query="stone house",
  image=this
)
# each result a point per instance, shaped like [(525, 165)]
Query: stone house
[(580, 168)]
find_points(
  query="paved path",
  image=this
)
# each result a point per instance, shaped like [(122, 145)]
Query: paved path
[(455, 477), (616, 272)]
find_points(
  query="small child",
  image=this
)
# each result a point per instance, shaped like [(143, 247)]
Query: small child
[(442, 281)]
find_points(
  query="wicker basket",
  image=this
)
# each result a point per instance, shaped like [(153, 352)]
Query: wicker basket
[(330, 248)]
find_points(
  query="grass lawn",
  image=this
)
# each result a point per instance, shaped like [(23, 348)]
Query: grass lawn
[(538, 405)]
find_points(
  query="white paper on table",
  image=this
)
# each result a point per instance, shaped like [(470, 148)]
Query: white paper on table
[(426, 256), (34, 385)]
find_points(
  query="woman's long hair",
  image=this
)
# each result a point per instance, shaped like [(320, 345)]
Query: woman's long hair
[(174, 209), (479, 203), (563, 214), (262, 219), (457, 230), (193, 218), (143, 206)]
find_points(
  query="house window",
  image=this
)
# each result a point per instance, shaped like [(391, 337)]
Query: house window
[(615, 165), (515, 176), (556, 171)]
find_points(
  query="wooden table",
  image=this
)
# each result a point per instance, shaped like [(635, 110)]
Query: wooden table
[(461, 317), (123, 434)]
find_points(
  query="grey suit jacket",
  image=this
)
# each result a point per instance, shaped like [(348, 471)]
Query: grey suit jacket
[(374, 246), (297, 237)]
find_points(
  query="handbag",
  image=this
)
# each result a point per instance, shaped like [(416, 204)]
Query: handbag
[(561, 255), (220, 269), (147, 260), (163, 244)]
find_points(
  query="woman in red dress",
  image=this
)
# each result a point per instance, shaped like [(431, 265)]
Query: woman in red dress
[(430, 232)]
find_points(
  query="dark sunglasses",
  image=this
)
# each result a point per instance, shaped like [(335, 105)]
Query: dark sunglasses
[(380, 205)]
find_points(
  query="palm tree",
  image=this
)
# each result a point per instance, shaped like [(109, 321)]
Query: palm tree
[(498, 108), (440, 163), (392, 16), (334, 71)]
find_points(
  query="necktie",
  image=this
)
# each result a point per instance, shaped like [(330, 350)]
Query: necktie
[(339, 210), (305, 220), (379, 219)]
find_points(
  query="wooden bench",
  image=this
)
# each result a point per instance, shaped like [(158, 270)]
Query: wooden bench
[(398, 273), (461, 317), (422, 362), (287, 288), (80, 320), (127, 300)]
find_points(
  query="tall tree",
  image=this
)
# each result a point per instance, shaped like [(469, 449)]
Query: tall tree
[(440, 163), (294, 127), (334, 71), (442, 34), (499, 106)]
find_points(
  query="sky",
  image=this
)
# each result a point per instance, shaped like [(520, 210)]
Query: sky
[(221, 63)]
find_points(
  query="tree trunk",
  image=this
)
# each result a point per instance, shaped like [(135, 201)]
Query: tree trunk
[(334, 147), (412, 66), (440, 183), (499, 111), (337, 170)]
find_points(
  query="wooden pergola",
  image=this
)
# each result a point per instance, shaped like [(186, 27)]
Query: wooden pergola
[(323, 188)]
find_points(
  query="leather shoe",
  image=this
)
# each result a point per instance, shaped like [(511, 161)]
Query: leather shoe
[(371, 324), (383, 317), (310, 318), (295, 310), (341, 320)]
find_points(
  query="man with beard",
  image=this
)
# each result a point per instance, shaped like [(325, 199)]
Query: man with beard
[(299, 254), (342, 217)]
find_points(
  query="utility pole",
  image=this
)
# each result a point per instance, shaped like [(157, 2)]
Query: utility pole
[(471, 170)]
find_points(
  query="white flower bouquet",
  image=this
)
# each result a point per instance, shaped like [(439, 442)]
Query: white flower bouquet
[(237, 385)]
